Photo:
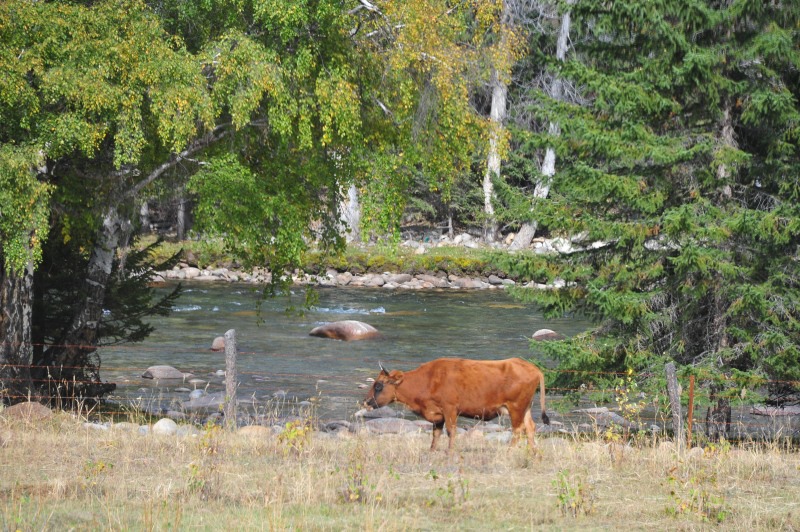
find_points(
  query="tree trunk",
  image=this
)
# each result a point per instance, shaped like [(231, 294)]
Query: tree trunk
[(718, 416), (144, 217), (181, 221), (351, 215), (542, 189), (496, 118), (16, 348), (70, 364)]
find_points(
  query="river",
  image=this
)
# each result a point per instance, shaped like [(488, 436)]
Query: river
[(276, 355)]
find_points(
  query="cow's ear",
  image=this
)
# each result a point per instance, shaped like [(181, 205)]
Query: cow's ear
[(396, 377)]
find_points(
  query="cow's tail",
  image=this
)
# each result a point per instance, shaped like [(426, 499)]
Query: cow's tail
[(545, 417)]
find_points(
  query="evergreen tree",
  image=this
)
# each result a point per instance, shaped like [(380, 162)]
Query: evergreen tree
[(681, 180)]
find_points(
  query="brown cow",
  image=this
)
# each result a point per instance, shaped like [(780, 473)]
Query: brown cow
[(443, 389)]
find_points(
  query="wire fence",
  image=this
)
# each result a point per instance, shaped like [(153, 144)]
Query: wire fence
[(581, 408)]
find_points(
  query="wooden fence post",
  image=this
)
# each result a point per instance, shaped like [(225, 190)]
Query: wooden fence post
[(691, 413), (674, 403), (230, 379)]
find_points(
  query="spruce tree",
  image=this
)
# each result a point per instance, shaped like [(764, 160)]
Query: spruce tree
[(680, 188)]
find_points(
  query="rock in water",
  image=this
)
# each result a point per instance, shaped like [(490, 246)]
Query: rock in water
[(164, 372), (345, 330), (547, 334), (218, 344)]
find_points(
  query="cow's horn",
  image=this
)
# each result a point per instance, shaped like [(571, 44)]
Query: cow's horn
[(382, 368)]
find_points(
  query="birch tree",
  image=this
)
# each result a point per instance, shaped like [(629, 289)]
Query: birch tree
[(555, 92)]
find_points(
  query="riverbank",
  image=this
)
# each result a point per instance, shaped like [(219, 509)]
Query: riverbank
[(465, 262), (59, 474)]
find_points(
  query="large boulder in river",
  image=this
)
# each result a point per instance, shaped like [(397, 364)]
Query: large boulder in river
[(345, 330), (547, 334), (164, 372)]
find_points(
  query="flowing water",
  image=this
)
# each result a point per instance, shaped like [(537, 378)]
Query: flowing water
[(276, 355)]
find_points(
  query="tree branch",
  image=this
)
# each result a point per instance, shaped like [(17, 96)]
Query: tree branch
[(210, 138)]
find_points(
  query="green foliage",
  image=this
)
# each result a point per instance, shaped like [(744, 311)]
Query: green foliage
[(694, 492), (573, 496), (459, 261), (296, 435), (24, 208), (679, 174), (261, 222), (129, 303)]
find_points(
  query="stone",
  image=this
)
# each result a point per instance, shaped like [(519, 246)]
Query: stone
[(546, 334), (218, 344), (211, 401), (165, 427), (374, 413), (495, 280), (374, 280), (28, 411), (346, 330), (191, 272), (398, 278), (164, 372), (196, 394)]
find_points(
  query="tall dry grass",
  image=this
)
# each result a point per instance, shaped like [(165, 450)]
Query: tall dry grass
[(58, 475)]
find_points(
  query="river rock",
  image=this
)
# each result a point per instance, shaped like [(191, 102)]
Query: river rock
[(196, 394), (211, 401), (165, 427), (345, 330), (164, 372), (218, 344), (191, 273), (375, 413), (546, 334), (28, 411)]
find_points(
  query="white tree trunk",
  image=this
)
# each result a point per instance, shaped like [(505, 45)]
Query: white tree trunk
[(144, 217), (181, 218), (81, 338), (351, 215), (542, 188), (496, 118)]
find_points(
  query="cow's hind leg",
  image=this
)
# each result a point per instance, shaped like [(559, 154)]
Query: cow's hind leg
[(451, 423), (530, 428), (517, 421)]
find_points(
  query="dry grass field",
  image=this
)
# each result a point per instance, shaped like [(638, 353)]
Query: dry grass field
[(57, 475)]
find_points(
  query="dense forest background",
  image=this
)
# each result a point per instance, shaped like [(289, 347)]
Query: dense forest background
[(661, 138)]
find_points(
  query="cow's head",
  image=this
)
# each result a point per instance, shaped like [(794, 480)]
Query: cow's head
[(383, 391)]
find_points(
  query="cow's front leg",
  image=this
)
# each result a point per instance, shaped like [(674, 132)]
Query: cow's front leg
[(450, 419), (437, 431)]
